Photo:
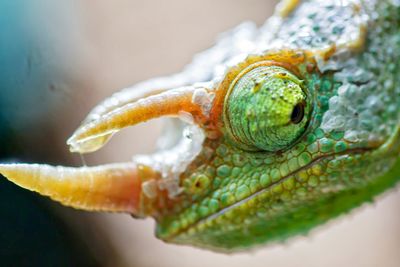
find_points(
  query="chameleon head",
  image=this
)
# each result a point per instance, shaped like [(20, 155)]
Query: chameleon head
[(262, 170)]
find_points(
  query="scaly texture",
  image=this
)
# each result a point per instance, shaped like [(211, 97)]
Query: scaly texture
[(292, 124)]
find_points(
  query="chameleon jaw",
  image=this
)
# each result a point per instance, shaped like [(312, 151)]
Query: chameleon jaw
[(204, 226)]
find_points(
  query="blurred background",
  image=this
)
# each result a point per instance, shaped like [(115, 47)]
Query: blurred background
[(60, 58)]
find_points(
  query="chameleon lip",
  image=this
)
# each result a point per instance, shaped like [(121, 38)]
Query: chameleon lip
[(232, 206), (95, 132)]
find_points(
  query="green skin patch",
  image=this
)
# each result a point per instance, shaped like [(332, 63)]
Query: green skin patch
[(303, 129), (267, 109), (278, 171)]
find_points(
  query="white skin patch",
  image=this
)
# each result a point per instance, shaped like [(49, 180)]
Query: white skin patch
[(204, 99), (363, 97), (172, 162)]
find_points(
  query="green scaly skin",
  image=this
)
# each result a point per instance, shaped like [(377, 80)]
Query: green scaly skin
[(236, 198), (295, 123)]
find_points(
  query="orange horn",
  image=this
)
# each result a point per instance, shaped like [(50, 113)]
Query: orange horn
[(114, 187), (93, 134)]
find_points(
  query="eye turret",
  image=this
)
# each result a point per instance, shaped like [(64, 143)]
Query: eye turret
[(266, 108)]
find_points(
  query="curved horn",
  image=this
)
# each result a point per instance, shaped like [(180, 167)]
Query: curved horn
[(114, 187), (95, 133), (121, 98)]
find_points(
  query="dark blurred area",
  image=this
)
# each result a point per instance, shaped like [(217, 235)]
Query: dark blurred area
[(33, 90), (33, 234)]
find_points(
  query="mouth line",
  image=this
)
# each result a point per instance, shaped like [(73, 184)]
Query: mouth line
[(263, 190)]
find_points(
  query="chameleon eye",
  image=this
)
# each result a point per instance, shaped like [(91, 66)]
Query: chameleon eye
[(297, 113), (266, 108)]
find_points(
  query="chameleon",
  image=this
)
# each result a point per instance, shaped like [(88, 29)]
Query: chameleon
[(272, 132)]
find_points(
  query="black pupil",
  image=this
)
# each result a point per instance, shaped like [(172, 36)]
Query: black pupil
[(297, 113)]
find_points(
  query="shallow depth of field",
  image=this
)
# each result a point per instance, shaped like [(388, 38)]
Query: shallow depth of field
[(58, 60)]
